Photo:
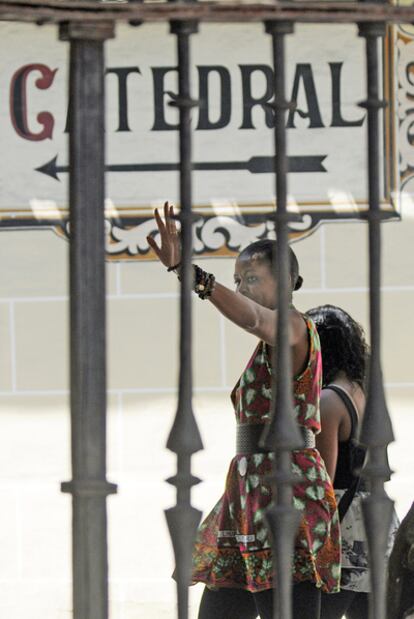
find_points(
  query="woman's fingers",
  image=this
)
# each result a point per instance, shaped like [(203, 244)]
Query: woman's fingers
[(166, 211), (168, 226), (169, 222), (153, 244), (168, 249), (167, 217), (172, 220), (160, 223)]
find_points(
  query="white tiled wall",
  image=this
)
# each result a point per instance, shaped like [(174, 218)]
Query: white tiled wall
[(142, 366)]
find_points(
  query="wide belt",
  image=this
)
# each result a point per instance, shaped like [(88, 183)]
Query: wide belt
[(248, 437)]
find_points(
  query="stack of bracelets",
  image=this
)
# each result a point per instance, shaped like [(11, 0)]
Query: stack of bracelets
[(203, 281)]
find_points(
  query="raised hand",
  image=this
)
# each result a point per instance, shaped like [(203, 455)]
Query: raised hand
[(170, 251)]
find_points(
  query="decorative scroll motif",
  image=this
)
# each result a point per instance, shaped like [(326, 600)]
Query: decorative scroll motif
[(405, 102), (217, 235), (210, 234), (220, 235)]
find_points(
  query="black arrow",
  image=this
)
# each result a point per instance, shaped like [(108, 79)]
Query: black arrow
[(255, 165)]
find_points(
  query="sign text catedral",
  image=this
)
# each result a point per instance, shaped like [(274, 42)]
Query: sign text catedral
[(234, 188)]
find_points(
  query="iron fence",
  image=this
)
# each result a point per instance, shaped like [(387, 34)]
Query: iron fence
[(87, 24)]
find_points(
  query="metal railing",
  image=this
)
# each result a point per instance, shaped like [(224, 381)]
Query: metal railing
[(86, 24)]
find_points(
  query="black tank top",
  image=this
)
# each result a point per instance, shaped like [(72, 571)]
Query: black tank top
[(351, 456)]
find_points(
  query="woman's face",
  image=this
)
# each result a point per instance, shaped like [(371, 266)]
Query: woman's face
[(254, 279)]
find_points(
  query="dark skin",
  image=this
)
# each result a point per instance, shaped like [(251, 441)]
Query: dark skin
[(335, 420), (253, 305)]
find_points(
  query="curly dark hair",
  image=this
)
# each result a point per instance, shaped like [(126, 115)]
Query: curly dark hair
[(342, 342)]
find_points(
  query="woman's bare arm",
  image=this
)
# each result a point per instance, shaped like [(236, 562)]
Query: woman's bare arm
[(261, 322), (332, 411), (242, 311)]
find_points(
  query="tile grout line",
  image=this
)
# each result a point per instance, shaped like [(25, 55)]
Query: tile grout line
[(33, 393), (159, 390), (12, 334), (34, 299), (116, 296), (173, 295), (351, 289)]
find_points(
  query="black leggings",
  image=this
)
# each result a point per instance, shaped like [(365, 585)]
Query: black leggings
[(352, 604), (240, 604)]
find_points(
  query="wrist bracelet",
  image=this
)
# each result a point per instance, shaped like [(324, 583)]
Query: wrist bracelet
[(203, 282), (174, 268)]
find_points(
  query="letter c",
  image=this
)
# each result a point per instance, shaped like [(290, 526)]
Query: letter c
[(18, 102)]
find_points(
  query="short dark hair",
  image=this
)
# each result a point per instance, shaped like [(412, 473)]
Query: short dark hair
[(343, 344), (265, 249)]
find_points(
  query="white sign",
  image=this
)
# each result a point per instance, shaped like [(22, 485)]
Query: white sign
[(233, 182)]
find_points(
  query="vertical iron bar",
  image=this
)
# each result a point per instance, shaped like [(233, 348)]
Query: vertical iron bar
[(376, 432), (282, 435), (88, 487), (184, 438)]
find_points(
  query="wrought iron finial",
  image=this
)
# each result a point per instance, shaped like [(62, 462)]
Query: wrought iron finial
[(282, 434), (376, 432), (184, 438)]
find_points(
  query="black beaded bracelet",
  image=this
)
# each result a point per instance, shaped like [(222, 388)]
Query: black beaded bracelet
[(203, 282)]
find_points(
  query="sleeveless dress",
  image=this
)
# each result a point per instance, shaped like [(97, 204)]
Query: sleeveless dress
[(232, 547), (355, 574)]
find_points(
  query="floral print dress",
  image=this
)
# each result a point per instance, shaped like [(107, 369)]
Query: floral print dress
[(232, 547)]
